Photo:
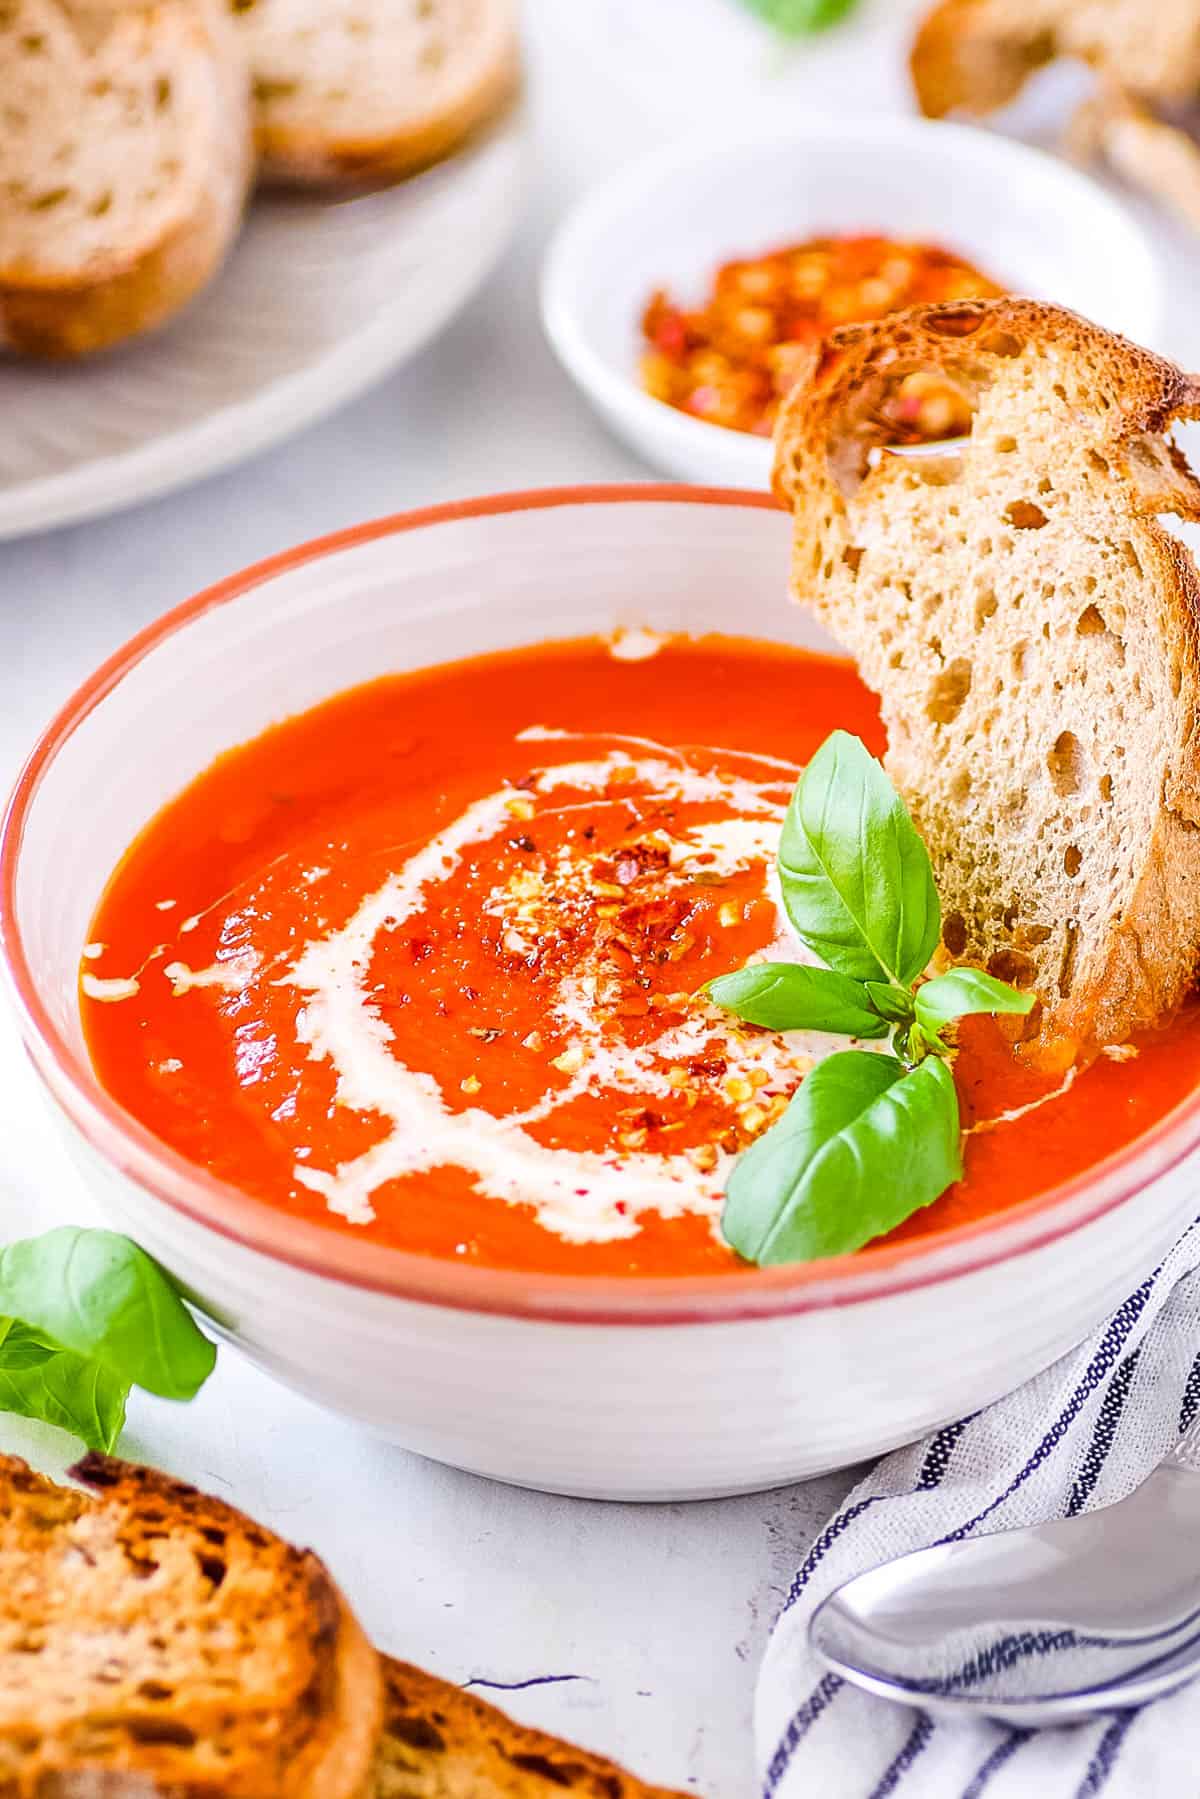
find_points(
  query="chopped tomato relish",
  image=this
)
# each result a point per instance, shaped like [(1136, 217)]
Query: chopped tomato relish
[(731, 360)]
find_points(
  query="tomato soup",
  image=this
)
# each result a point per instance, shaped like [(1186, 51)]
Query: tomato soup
[(426, 964)]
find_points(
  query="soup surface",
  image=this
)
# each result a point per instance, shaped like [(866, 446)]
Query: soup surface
[(425, 963)]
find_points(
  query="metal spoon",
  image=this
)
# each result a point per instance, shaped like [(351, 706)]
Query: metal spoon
[(1043, 1625)]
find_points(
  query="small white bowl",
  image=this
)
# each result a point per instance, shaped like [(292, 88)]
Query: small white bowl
[(613, 1388), (1029, 220)]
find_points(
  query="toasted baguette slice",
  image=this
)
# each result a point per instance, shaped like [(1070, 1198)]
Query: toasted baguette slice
[(371, 90), (976, 55), (441, 1743), (1031, 630), (125, 156), (155, 1644)]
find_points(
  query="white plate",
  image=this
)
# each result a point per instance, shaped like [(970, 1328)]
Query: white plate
[(319, 300), (1033, 222)]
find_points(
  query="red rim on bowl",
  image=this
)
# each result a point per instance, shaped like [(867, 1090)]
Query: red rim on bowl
[(190, 1190)]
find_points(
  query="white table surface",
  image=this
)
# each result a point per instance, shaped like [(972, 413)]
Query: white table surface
[(650, 1620)]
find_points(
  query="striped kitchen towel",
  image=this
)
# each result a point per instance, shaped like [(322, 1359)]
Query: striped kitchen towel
[(1081, 1435)]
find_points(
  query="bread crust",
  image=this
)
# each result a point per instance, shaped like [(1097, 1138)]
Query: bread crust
[(977, 54), (308, 139), (829, 427), (963, 60), (311, 154), (442, 1743), (139, 1732), (56, 317), (1151, 152)]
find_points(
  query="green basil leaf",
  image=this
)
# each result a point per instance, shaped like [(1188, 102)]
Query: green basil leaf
[(39, 1380), (862, 1146), (99, 1296), (893, 1003), (856, 878), (788, 996), (797, 18), (962, 990)]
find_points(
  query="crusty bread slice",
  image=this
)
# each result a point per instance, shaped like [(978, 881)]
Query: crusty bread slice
[(441, 1743), (156, 1644), (977, 54), (125, 157), (371, 90), (1031, 630)]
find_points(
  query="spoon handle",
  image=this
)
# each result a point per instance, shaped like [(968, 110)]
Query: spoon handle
[(1186, 1453)]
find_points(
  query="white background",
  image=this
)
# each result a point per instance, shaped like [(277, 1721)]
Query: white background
[(658, 1613)]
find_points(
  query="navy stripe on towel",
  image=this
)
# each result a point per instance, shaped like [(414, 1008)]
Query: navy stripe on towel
[(1120, 1327), (1104, 1435), (1105, 1758), (824, 1543), (937, 1460), (937, 1457), (1000, 1757), (1190, 1403), (801, 1723), (918, 1742)]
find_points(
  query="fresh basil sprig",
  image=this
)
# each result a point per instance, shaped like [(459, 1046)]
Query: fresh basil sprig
[(869, 1138), (952, 995), (864, 1143), (798, 18), (85, 1316), (856, 879), (38, 1380), (790, 996)]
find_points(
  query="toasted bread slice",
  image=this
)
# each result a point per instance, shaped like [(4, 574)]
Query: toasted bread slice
[(371, 90), (1031, 630), (975, 55), (155, 1644), (125, 157), (441, 1743)]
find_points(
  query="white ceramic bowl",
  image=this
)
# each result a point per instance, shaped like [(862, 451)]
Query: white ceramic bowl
[(1028, 219), (615, 1388)]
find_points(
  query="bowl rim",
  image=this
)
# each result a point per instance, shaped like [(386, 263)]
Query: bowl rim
[(188, 1190), (739, 454)]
